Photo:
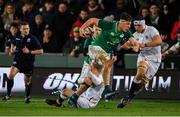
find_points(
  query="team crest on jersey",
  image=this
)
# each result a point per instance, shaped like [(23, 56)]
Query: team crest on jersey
[(112, 33), (29, 39), (121, 36)]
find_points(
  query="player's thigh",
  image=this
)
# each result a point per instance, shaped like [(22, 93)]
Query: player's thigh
[(84, 73), (97, 50), (152, 69)]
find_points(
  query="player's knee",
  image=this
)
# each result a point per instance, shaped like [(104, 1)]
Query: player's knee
[(11, 76), (67, 92), (140, 74)]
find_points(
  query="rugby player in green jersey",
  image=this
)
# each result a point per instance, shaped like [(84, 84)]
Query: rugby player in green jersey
[(112, 33)]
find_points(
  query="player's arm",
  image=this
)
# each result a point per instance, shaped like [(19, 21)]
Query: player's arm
[(34, 52), (89, 23), (156, 41), (37, 52), (132, 43), (37, 48), (12, 49), (174, 49)]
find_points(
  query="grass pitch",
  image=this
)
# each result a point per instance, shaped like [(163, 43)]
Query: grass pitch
[(37, 107)]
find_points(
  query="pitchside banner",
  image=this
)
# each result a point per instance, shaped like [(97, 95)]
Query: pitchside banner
[(165, 85)]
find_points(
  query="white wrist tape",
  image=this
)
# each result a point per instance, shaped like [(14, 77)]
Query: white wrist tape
[(95, 79)]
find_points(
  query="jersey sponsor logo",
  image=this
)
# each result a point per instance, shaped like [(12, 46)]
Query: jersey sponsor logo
[(112, 33), (114, 42), (121, 36)]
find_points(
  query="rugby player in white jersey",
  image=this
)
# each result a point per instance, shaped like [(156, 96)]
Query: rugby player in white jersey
[(149, 58), (95, 82)]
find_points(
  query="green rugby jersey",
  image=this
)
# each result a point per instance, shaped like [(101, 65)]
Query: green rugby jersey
[(110, 37)]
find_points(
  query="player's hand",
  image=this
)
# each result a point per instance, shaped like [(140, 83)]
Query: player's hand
[(141, 45), (25, 50), (85, 32), (109, 63), (164, 55), (72, 53), (12, 51)]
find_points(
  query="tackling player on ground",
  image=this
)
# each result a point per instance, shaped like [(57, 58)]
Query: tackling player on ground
[(93, 80)]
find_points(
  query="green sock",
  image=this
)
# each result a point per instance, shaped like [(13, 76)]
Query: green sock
[(75, 96), (108, 88)]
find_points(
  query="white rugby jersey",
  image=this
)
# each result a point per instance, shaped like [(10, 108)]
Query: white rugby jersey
[(93, 94), (150, 53)]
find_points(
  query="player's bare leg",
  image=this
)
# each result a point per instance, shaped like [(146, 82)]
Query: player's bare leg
[(10, 82), (28, 85), (137, 85), (67, 93), (106, 77)]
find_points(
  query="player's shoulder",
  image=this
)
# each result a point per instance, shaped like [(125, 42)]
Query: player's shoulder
[(135, 33), (33, 37), (151, 28)]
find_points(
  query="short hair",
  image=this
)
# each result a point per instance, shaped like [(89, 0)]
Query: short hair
[(23, 23), (139, 17), (125, 16), (14, 24)]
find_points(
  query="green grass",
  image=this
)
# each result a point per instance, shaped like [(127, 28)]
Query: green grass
[(37, 107)]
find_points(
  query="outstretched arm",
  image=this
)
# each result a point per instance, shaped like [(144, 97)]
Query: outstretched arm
[(156, 42), (88, 23), (131, 44), (174, 49)]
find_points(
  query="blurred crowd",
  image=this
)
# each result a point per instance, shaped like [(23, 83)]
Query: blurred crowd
[(56, 23)]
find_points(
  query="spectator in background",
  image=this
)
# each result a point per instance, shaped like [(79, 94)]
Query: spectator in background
[(107, 5), (144, 11), (153, 18), (94, 9), (62, 24), (83, 16), (175, 29), (11, 36), (37, 26), (28, 12), (48, 12), (115, 13), (74, 46), (132, 7), (48, 41), (165, 20), (8, 16), (2, 4)]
